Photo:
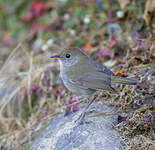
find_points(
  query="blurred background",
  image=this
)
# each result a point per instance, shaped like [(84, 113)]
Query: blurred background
[(117, 33)]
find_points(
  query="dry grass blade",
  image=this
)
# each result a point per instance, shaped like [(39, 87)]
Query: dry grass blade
[(19, 116), (11, 81)]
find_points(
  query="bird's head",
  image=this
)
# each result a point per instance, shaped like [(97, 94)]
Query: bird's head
[(70, 57)]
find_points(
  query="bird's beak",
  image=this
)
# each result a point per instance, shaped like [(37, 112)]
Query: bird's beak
[(57, 56)]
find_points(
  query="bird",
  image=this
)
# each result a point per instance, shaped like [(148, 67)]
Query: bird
[(84, 76)]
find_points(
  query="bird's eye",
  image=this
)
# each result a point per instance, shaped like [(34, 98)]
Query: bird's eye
[(68, 55)]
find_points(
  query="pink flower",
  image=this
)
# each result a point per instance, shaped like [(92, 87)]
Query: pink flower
[(33, 88), (104, 53), (7, 39), (74, 107), (37, 90), (35, 10)]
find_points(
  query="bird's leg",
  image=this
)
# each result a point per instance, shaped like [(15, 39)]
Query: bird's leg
[(81, 117)]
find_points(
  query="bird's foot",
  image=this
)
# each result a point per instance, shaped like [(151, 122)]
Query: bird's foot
[(82, 116), (80, 119)]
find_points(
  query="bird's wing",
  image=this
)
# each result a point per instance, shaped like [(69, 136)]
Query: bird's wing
[(102, 68), (92, 81)]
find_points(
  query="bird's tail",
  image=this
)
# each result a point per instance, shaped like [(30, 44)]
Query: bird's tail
[(123, 80)]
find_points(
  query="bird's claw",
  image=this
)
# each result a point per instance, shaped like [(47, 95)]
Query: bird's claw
[(80, 119)]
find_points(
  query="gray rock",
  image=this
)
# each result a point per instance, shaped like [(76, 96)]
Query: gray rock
[(97, 133)]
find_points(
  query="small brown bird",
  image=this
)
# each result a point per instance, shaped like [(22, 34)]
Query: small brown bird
[(84, 76)]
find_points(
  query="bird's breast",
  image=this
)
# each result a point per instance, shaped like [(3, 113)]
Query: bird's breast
[(74, 88), (67, 83)]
